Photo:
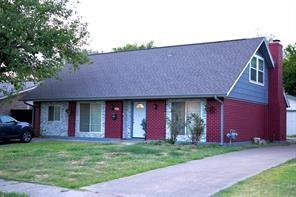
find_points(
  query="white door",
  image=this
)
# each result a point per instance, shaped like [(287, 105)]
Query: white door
[(139, 116)]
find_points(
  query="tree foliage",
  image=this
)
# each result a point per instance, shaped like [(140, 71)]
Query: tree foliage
[(37, 37), (135, 46), (290, 69)]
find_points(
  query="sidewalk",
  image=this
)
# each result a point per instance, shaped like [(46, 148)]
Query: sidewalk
[(38, 190)]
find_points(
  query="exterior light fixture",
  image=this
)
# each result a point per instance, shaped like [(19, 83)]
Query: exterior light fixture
[(140, 106)]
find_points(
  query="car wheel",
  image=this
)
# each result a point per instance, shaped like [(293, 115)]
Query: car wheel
[(26, 137)]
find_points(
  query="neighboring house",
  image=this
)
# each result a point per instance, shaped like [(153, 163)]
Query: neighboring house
[(291, 115), (10, 103), (232, 84)]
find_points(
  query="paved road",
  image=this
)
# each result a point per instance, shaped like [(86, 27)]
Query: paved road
[(200, 177)]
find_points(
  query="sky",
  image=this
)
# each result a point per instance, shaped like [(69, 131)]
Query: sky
[(114, 23)]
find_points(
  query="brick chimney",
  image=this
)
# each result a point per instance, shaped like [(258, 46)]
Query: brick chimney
[(276, 102)]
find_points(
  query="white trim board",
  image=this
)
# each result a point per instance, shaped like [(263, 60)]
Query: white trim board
[(17, 93)]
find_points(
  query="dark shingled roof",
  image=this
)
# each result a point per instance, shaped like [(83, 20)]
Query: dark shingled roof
[(194, 70)]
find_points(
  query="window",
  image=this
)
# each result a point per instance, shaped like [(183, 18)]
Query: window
[(178, 116), (54, 113), (7, 119), (90, 117), (257, 70), (181, 111)]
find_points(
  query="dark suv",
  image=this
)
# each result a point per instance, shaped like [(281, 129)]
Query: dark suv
[(10, 128)]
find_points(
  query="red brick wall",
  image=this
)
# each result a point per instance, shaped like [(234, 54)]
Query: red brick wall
[(113, 128), (155, 120), (213, 121), (72, 118), (248, 119), (277, 106), (37, 113)]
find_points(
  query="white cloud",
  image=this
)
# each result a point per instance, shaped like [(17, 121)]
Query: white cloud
[(114, 23)]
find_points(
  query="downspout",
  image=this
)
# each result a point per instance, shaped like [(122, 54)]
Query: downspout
[(221, 119)]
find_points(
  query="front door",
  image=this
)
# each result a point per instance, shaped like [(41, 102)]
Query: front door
[(139, 119), (113, 128)]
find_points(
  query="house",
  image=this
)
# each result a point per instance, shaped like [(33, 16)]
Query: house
[(291, 115), (10, 103), (235, 84)]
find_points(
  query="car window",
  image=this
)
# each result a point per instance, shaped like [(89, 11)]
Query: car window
[(7, 119)]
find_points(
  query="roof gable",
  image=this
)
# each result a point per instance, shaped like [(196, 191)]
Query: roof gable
[(263, 50), (196, 70)]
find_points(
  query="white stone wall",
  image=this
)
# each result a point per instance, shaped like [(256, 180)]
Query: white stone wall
[(54, 128), (101, 133), (127, 120), (185, 138), (168, 113), (203, 115)]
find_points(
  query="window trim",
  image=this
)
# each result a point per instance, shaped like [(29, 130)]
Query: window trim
[(100, 125), (54, 120), (257, 70)]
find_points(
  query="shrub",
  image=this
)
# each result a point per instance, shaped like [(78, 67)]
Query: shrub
[(196, 127), (176, 124), (144, 126)]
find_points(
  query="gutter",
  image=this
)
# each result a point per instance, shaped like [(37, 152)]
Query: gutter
[(25, 102), (122, 98), (221, 120), (19, 92)]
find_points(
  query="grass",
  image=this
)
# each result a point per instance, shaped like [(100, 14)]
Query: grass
[(77, 164), (278, 181), (12, 194)]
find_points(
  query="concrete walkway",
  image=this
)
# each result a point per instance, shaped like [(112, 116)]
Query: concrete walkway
[(200, 177), (38, 190)]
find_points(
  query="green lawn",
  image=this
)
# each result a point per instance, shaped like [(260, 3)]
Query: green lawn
[(12, 194), (291, 135), (279, 181), (77, 164)]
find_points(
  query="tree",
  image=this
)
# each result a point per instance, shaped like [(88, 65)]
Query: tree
[(135, 46), (37, 38), (289, 69)]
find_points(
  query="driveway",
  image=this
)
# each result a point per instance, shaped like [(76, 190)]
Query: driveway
[(200, 177)]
